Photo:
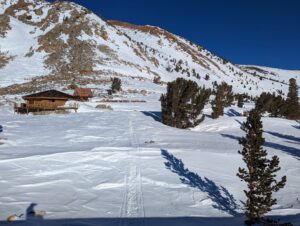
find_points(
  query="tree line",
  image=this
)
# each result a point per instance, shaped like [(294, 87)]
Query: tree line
[(277, 106), (184, 101)]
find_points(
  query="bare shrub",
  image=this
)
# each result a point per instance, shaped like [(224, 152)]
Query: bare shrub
[(103, 106)]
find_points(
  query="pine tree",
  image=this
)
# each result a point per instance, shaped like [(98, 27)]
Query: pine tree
[(183, 103), (229, 94), (156, 80), (218, 104), (224, 97), (276, 106), (260, 171), (220, 100), (240, 99), (292, 108), (272, 103), (263, 102), (116, 85)]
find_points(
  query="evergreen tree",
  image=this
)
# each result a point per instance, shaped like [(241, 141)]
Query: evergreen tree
[(260, 171), (116, 85), (157, 80), (183, 103), (276, 106), (263, 102), (229, 94), (240, 99), (292, 108), (218, 104), (224, 97), (271, 103)]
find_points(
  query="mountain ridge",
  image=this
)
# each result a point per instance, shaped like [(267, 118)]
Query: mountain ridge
[(62, 42)]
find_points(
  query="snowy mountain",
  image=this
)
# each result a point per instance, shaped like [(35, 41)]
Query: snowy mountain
[(45, 45)]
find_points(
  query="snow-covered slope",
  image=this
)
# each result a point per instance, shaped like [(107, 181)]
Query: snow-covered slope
[(44, 44), (274, 75), (17, 43), (83, 168)]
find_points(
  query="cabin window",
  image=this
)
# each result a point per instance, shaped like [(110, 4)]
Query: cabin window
[(52, 101)]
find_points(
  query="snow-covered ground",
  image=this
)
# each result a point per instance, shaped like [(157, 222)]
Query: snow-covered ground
[(99, 167)]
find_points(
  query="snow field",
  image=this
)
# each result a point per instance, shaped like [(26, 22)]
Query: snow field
[(101, 164)]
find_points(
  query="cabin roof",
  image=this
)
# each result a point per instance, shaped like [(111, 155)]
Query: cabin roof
[(83, 92), (49, 94)]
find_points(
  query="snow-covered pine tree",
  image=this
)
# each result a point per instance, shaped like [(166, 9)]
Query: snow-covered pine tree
[(260, 172)]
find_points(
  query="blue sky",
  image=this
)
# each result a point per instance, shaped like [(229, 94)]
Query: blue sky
[(261, 32)]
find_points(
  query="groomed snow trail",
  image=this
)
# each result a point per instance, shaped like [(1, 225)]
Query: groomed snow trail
[(133, 204)]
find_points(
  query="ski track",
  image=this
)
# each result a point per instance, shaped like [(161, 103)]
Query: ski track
[(133, 203)]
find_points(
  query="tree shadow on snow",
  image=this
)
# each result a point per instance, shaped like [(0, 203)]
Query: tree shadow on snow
[(221, 197), (295, 152), (156, 115), (207, 116), (239, 122), (232, 113), (284, 136), (297, 126)]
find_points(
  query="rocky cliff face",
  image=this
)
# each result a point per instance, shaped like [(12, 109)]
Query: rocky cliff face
[(46, 44)]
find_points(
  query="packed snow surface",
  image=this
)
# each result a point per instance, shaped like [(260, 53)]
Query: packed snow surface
[(124, 167)]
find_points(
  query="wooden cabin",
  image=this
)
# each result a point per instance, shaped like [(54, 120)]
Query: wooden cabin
[(83, 94), (50, 100)]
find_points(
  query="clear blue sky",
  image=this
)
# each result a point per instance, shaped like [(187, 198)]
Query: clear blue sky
[(261, 32)]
